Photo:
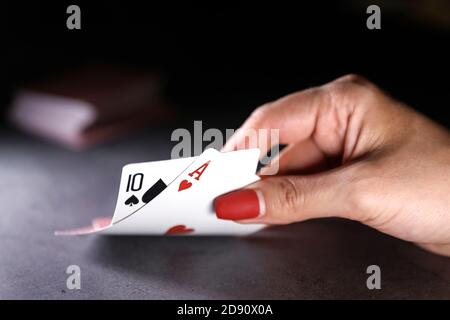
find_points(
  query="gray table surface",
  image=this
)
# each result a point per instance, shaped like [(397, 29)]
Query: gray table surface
[(44, 188)]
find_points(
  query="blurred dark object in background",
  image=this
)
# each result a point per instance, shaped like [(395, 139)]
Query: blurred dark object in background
[(90, 104), (222, 60)]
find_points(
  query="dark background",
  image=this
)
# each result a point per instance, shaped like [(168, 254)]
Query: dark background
[(221, 60)]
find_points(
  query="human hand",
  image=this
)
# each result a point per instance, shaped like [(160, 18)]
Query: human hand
[(372, 159)]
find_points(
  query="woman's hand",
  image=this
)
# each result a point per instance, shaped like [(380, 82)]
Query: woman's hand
[(353, 152)]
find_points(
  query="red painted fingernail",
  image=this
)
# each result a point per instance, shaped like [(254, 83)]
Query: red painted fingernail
[(238, 205)]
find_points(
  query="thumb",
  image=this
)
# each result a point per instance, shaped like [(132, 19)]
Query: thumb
[(287, 199)]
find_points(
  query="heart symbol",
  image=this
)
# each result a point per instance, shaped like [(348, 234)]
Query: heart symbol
[(184, 185), (179, 229), (131, 200)]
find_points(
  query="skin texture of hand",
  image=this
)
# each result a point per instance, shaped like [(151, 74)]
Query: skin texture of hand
[(352, 152)]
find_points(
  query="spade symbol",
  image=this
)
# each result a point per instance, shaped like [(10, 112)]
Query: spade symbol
[(154, 190), (131, 201)]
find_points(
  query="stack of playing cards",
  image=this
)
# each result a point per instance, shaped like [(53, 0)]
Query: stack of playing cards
[(89, 105), (176, 196)]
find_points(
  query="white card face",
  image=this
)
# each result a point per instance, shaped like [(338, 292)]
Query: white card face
[(140, 183), (186, 205)]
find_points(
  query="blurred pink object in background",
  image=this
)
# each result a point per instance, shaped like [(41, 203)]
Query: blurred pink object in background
[(89, 105)]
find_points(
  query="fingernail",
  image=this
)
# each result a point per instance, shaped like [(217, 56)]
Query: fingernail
[(239, 205)]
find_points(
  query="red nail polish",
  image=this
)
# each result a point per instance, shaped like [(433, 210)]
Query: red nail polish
[(237, 205)]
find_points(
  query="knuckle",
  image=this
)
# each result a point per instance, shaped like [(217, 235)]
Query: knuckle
[(358, 197), (290, 198), (351, 89), (362, 194), (355, 78), (362, 203), (259, 115)]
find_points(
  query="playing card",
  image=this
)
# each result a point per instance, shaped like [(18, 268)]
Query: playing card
[(176, 196), (142, 182), (186, 205)]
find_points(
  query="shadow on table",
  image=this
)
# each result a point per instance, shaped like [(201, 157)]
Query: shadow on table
[(316, 259)]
